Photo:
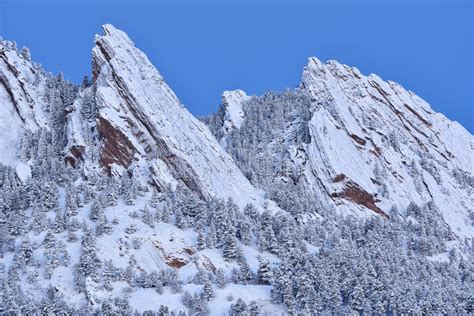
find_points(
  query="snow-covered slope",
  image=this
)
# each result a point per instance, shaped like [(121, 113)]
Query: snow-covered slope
[(144, 127), (21, 101)]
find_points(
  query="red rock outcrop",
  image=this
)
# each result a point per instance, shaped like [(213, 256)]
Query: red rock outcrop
[(116, 148), (359, 196), (353, 192)]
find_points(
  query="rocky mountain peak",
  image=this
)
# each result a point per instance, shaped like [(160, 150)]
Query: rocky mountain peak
[(144, 127), (387, 142)]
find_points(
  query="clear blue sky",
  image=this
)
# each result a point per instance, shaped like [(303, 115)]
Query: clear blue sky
[(205, 47)]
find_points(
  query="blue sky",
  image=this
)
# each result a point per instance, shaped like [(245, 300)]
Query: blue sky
[(205, 47)]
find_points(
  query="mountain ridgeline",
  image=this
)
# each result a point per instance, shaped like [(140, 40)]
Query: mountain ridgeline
[(345, 195)]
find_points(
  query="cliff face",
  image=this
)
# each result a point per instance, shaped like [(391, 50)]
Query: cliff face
[(387, 142), (21, 106)]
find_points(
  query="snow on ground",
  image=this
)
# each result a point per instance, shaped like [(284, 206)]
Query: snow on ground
[(232, 292), (441, 257), (23, 171), (149, 299)]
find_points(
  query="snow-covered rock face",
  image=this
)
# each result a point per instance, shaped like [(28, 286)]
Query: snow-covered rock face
[(375, 145), (234, 114), (20, 100), (146, 129)]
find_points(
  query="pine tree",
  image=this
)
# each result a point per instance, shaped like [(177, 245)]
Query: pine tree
[(49, 240), (129, 188), (220, 278), (72, 237), (59, 222), (71, 201), (239, 308), (52, 262), (163, 311), (96, 211), (266, 235), (89, 262), (103, 226), (211, 237), (305, 292), (166, 213), (264, 273), (187, 299), (245, 275), (245, 233), (110, 192), (122, 306), (147, 217), (357, 299), (3, 231), (201, 242), (231, 250), (157, 215), (50, 196), (254, 309), (26, 251), (156, 199), (180, 219), (251, 213), (199, 305), (73, 224), (25, 145), (208, 292)]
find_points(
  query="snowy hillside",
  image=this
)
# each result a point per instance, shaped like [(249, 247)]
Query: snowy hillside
[(347, 195)]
